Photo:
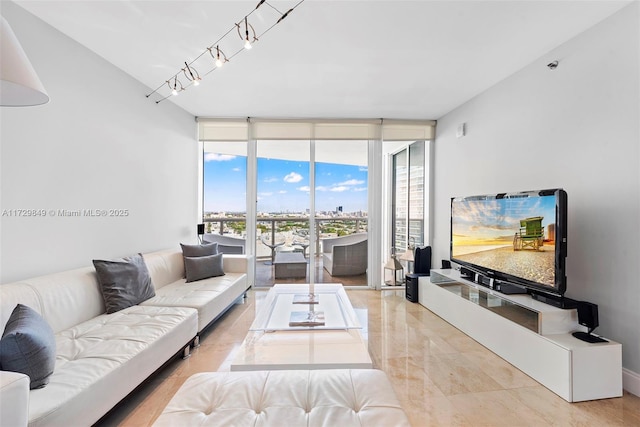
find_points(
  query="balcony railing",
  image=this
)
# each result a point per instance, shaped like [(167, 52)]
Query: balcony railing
[(297, 226)]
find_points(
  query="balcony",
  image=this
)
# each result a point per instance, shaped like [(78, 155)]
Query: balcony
[(292, 232)]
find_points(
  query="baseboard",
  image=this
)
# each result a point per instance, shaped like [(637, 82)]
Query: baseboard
[(631, 381)]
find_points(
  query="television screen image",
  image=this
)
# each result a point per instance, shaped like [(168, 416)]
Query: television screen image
[(511, 237)]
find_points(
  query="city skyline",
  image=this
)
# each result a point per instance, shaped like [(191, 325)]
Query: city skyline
[(283, 185)]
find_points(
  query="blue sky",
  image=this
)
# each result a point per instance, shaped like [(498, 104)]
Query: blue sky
[(283, 186), (498, 219)]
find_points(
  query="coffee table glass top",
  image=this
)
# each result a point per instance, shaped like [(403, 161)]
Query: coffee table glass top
[(333, 302)]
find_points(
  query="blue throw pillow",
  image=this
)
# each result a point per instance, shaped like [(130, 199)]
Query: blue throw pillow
[(28, 346)]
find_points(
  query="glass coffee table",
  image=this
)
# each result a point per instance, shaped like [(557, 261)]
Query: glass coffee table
[(276, 341)]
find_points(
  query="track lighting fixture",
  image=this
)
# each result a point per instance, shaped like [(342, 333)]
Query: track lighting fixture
[(193, 75), (247, 34), (219, 57), (176, 87), (247, 41)]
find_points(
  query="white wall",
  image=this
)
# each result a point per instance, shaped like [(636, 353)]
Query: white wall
[(576, 127), (98, 144)]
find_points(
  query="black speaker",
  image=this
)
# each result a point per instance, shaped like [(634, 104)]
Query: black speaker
[(465, 273), (588, 317), (446, 264), (411, 287), (422, 260), (200, 229)]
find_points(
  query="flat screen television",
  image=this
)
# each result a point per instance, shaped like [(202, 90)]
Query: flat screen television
[(513, 238)]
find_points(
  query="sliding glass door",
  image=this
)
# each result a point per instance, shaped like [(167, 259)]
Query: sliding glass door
[(341, 211), (312, 208), (282, 212)]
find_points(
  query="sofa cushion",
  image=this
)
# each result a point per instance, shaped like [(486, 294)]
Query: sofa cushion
[(102, 360), (209, 296), (28, 346), (165, 267), (203, 267), (63, 299), (124, 283)]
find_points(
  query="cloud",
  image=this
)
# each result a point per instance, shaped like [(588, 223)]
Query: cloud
[(265, 194), (293, 177), (215, 157), (360, 189), (363, 169), (340, 188), (282, 192), (236, 169), (304, 188), (352, 182), (322, 188), (271, 180)]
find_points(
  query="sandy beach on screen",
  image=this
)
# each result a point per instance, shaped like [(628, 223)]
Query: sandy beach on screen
[(529, 264)]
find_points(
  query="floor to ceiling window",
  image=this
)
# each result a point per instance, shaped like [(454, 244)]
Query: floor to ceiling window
[(314, 195), (341, 210), (408, 196), (225, 194)]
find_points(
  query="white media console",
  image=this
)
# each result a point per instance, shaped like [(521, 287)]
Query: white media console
[(533, 336)]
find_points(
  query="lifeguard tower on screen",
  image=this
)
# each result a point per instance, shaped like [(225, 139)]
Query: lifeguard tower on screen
[(530, 235)]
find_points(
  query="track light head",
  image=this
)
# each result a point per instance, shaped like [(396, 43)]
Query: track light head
[(246, 38), (176, 87), (191, 74), (218, 56), (552, 65)]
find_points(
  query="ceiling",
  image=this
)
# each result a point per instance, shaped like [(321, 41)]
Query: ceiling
[(327, 59)]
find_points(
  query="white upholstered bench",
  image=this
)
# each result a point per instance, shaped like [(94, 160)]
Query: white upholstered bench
[(334, 397)]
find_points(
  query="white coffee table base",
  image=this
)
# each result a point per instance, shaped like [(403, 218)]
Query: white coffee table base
[(322, 349)]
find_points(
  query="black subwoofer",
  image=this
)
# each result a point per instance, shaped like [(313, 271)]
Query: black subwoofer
[(411, 287)]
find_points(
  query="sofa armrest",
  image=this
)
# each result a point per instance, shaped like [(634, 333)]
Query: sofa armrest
[(14, 399), (233, 263)]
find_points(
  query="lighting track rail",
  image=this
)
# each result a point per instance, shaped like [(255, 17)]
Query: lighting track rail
[(247, 34)]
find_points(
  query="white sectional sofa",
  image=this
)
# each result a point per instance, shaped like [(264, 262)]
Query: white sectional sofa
[(211, 297), (101, 358)]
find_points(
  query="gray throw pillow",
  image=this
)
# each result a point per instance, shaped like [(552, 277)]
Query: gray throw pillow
[(204, 249), (203, 267), (124, 283), (28, 346)]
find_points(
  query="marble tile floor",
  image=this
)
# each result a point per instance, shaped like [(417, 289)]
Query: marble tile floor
[(441, 376)]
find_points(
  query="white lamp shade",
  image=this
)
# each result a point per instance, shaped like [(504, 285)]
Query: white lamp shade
[(19, 83), (407, 255)]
